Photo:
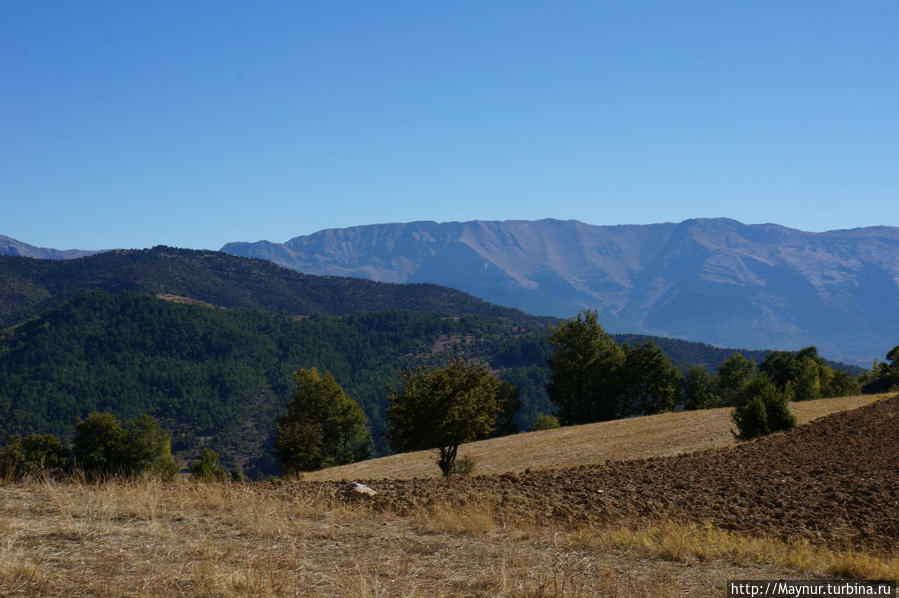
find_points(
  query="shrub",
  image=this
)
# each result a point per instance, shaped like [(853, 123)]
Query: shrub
[(545, 422), (463, 466), (762, 409), (36, 454), (207, 468), (102, 448)]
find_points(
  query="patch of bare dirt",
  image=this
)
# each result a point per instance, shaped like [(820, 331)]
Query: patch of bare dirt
[(834, 482)]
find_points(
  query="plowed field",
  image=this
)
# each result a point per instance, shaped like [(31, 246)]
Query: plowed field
[(834, 482)]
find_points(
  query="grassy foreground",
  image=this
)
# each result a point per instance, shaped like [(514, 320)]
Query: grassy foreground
[(143, 538)]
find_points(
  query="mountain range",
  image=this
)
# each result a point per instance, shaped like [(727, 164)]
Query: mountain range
[(717, 281), (10, 246)]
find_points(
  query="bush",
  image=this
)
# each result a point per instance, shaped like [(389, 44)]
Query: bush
[(207, 468), (103, 448), (545, 422), (762, 408), (463, 466), (33, 455)]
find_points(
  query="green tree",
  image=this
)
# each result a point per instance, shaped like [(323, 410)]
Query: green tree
[(842, 384), (699, 391), (509, 403), (323, 426), (442, 408), (102, 447), (207, 468), (148, 449), (545, 422), (36, 454), (733, 373), (807, 375), (652, 384), (761, 408), (884, 376), (585, 379), (99, 445), (780, 367)]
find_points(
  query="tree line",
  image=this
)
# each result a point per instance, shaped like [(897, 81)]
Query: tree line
[(591, 378)]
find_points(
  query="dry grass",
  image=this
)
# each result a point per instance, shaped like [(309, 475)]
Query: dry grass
[(150, 539), (144, 538), (636, 438)]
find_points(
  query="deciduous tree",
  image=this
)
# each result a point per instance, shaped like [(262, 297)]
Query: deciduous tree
[(442, 408), (733, 373)]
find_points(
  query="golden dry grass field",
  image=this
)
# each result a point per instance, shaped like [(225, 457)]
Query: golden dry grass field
[(265, 540), (144, 538), (620, 440)]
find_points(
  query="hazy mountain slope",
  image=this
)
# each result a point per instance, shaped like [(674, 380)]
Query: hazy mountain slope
[(10, 246), (29, 286), (712, 280)]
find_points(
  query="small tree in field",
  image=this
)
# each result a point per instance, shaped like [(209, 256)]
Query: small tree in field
[(37, 454), (148, 449), (442, 408), (207, 468), (323, 426), (99, 445), (762, 408)]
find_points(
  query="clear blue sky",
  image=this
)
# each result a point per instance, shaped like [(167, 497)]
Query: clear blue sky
[(130, 124)]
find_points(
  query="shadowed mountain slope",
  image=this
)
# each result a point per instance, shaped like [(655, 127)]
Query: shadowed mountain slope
[(31, 286)]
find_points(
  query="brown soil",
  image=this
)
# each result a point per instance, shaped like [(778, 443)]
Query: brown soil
[(834, 482)]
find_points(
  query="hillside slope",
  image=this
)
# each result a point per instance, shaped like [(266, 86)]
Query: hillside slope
[(662, 435), (711, 280), (225, 374), (833, 481), (30, 286)]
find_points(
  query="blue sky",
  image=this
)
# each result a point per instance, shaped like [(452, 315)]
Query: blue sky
[(126, 124)]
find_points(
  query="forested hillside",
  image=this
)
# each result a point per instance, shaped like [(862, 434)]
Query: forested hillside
[(225, 374), (29, 286)]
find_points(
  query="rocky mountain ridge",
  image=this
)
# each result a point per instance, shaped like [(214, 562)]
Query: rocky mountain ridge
[(712, 280)]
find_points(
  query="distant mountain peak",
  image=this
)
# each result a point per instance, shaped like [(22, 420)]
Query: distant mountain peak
[(10, 246)]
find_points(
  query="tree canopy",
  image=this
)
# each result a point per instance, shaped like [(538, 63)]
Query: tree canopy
[(586, 369), (442, 408), (102, 447), (323, 426)]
